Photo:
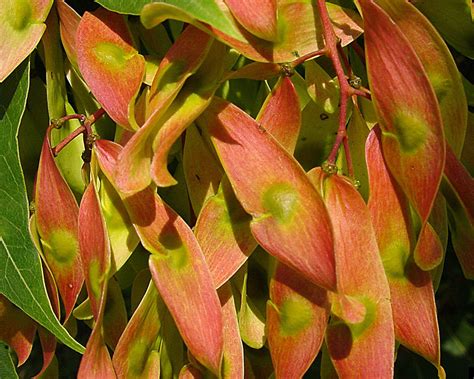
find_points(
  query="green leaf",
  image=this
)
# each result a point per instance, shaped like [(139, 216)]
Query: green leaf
[(20, 269), (124, 6), (7, 368), (207, 12)]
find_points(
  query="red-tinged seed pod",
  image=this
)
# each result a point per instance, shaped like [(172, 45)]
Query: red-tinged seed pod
[(105, 51), (297, 316), (94, 246), (411, 288), (187, 53), (233, 356), (353, 343), (413, 137), (289, 218), (459, 192), (263, 23), (69, 21), (137, 351), (57, 224), (177, 265), (16, 329)]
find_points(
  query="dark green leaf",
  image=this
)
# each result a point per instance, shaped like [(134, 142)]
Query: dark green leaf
[(21, 278), (7, 368)]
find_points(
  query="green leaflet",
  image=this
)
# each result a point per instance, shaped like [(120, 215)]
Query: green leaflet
[(69, 159), (124, 6), (172, 349), (319, 117), (7, 368), (207, 12), (123, 238), (20, 270), (54, 65), (201, 170), (177, 196)]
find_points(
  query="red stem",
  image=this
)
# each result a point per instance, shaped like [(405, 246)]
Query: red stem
[(61, 145), (75, 116), (85, 129), (96, 115), (346, 90), (363, 92), (308, 56)]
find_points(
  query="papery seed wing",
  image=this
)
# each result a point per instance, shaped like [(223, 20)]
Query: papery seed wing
[(56, 219), (412, 129), (360, 339), (413, 305), (273, 188), (105, 52)]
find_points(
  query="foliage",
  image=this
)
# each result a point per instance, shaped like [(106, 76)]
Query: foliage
[(262, 188)]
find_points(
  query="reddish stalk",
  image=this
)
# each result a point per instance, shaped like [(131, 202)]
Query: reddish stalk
[(332, 52), (363, 92), (85, 129), (62, 120), (308, 56), (89, 136), (61, 145)]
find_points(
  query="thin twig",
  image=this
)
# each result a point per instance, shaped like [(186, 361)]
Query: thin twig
[(61, 145), (346, 90), (363, 92), (309, 56), (85, 129)]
